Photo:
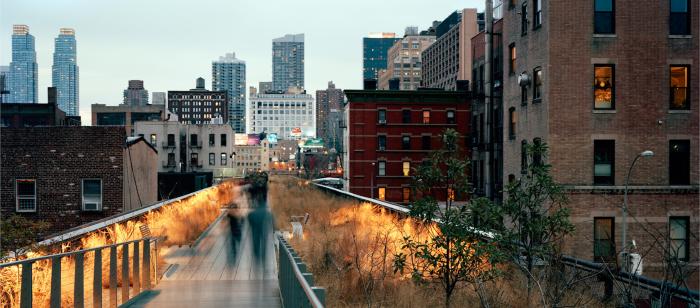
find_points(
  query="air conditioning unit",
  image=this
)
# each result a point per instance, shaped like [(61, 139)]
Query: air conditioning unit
[(382, 148), (382, 121), (524, 80), (91, 206)]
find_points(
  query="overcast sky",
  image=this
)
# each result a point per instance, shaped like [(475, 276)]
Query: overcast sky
[(168, 43)]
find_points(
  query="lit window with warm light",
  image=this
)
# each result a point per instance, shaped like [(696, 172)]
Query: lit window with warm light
[(679, 87), (604, 86), (406, 168), (426, 117), (450, 194), (381, 193)]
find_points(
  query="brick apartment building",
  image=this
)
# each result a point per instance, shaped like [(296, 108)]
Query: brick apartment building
[(69, 176), (600, 82), (391, 132)]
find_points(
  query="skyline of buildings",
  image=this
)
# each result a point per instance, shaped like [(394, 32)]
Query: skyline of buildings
[(375, 48), (65, 72), (23, 81), (229, 74), (288, 62), (403, 71)]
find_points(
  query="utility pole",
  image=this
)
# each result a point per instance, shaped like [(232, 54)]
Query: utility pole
[(488, 99)]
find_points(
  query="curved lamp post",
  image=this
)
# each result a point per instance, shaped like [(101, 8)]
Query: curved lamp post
[(646, 153)]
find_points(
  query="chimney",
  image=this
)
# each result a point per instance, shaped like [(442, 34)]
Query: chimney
[(52, 95)]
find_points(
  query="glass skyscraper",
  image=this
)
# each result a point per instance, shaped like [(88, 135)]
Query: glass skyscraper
[(228, 74), (374, 53), (288, 62), (23, 77), (65, 72)]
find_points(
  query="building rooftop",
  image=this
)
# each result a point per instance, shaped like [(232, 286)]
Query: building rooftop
[(296, 38), (20, 29), (229, 58)]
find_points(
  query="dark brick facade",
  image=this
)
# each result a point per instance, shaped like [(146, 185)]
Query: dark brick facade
[(58, 158), (364, 128)]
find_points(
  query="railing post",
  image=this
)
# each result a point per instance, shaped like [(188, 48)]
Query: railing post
[(97, 280), (26, 291), (55, 300), (320, 293), (146, 264), (113, 276), (125, 272), (137, 273), (79, 282)]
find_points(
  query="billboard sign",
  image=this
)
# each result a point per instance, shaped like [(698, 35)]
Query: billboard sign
[(314, 143), (253, 139), (272, 138), (240, 139), (296, 132)]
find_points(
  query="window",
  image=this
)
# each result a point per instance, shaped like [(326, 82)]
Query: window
[(523, 157), (25, 195), (678, 237), (604, 162), (604, 86), (381, 142), (537, 85), (523, 19), (426, 117), (381, 116), (212, 159), (450, 117), (604, 17), (603, 238), (537, 14), (523, 95), (171, 159), (171, 140), (513, 55), (193, 139), (224, 159), (406, 195), (92, 194), (406, 168), (511, 178), (450, 194), (406, 142), (679, 87), (381, 193), (406, 115), (536, 154), (154, 139), (512, 122), (679, 20), (223, 140), (194, 159), (212, 139), (679, 162), (381, 166), (425, 142)]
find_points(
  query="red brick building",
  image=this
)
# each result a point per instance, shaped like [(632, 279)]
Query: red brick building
[(391, 132), (600, 82), (69, 176)]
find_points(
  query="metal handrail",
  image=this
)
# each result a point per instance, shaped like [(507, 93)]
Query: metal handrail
[(312, 297), (65, 254), (691, 296)]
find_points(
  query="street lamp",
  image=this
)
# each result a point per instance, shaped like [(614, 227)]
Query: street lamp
[(625, 255)]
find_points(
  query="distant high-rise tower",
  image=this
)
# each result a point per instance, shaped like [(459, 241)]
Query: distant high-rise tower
[(65, 72), (4, 90), (375, 48), (288, 62), (329, 113), (23, 78), (135, 94), (158, 98), (228, 74)]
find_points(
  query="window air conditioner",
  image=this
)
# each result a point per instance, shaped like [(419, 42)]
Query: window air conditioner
[(91, 206)]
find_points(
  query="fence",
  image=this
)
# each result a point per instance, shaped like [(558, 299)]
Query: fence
[(296, 284), (140, 270)]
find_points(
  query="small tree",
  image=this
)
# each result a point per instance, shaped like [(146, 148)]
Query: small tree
[(18, 234), (455, 251), (536, 219)]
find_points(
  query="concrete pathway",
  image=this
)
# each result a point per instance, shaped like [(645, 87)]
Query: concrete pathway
[(219, 272)]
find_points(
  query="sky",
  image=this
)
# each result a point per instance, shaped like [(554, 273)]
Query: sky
[(169, 43)]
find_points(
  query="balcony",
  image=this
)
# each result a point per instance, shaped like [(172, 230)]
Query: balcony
[(169, 164), (196, 145), (167, 145)]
